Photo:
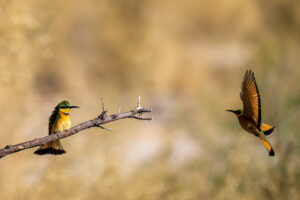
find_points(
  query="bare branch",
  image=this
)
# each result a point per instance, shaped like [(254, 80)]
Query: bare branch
[(97, 122)]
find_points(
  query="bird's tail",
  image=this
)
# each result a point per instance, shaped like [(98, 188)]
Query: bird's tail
[(267, 129), (54, 148), (267, 144)]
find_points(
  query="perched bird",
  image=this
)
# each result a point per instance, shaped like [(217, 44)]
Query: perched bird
[(250, 117), (58, 121)]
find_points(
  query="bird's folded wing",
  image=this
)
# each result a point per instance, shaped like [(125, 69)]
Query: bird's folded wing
[(251, 99)]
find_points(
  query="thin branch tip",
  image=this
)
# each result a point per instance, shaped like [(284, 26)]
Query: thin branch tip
[(142, 110), (141, 118), (102, 100), (104, 112), (139, 102), (108, 129)]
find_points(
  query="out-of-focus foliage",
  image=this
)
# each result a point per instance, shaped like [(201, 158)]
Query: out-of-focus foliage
[(187, 60)]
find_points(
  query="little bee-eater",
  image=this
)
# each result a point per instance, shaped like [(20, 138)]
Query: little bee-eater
[(250, 117), (58, 121)]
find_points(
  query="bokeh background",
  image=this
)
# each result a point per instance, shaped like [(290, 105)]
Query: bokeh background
[(186, 59)]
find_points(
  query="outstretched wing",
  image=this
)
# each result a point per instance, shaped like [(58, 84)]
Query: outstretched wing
[(251, 98)]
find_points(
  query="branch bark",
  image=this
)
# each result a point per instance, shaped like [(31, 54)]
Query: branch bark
[(97, 122)]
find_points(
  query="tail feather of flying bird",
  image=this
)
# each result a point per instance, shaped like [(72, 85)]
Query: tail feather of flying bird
[(266, 143), (267, 129)]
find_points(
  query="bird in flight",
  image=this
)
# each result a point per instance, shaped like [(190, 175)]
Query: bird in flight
[(250, 116), (58, 121)]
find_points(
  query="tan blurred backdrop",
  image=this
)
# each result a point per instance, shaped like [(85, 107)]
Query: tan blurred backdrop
[(187, 60)]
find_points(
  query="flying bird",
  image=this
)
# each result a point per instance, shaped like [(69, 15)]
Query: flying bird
[(250, 116), (58, 121)]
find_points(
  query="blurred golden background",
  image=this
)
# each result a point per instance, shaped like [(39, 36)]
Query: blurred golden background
[(186, 59)]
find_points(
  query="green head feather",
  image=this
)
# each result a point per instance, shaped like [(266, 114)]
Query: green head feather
[(240, 111)]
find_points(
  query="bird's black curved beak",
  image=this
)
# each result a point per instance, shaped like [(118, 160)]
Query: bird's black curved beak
[(73, 106), (230, 111)]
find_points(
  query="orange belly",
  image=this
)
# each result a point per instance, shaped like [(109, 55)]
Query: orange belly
[(248, 125)]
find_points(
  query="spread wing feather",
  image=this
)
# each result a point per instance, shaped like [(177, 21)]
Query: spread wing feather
[(251, 98)]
